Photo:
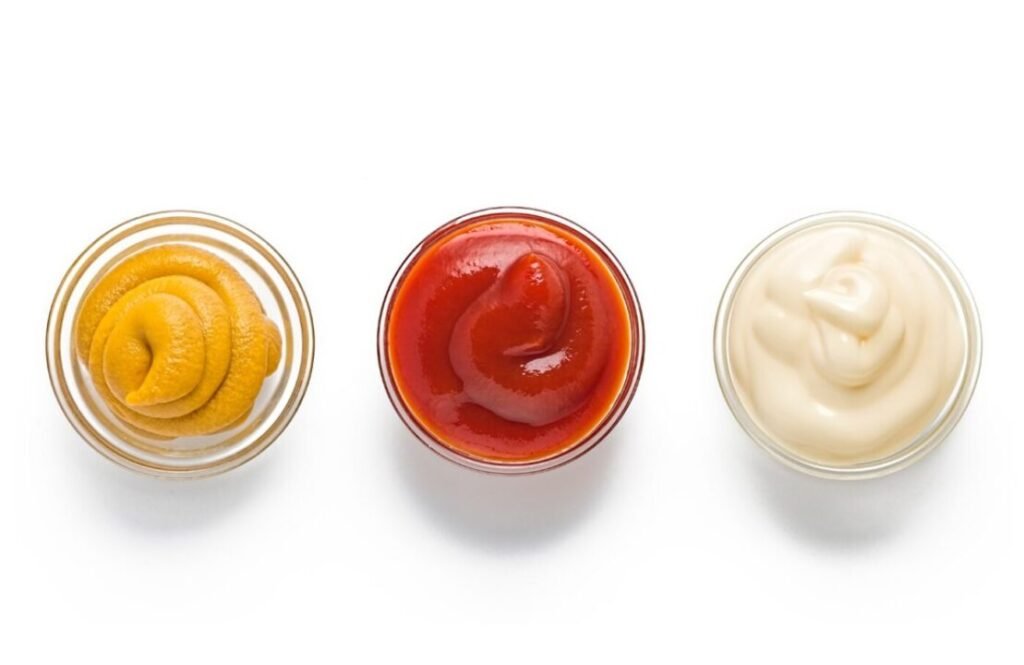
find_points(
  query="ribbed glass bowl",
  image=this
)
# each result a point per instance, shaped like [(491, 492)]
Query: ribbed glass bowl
[(285, 304)]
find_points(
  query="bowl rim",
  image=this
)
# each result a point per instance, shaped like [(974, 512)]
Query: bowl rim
[(943, 424), (615, 413), (60, 315)]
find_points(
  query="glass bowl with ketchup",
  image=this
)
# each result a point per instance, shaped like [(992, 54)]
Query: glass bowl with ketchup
[(510, 340)]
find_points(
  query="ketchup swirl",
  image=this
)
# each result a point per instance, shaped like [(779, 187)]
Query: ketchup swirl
[(509, 338), (523, 350)]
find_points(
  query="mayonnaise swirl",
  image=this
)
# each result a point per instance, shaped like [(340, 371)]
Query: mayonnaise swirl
[(845, 342)]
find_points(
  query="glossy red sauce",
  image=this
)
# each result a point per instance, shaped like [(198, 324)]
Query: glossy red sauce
[(510, 337)]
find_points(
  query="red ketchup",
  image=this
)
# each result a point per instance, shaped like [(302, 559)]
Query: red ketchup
[(511, 338)]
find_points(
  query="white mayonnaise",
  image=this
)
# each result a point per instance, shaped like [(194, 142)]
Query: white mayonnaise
[(844, 342)]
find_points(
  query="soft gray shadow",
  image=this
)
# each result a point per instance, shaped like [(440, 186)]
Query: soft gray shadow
[(167, 505), (844, 515), (503, 513)]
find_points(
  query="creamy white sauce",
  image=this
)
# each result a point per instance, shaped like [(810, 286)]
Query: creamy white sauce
[(845, 343)]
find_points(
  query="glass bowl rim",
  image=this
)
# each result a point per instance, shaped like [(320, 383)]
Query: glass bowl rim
[(607, 424), (944, 423), (61, 309)]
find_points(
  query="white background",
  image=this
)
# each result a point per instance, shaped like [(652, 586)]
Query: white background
[(680, 134)]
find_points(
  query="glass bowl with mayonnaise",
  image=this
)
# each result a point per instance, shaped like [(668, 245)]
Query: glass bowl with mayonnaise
[(847, 345)]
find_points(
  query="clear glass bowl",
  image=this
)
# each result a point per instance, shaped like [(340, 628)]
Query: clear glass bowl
[(941, 425), (574, 450), (278, 290)]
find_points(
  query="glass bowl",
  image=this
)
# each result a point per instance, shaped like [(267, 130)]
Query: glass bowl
[(936, 431), (278, 290), (574, 449)]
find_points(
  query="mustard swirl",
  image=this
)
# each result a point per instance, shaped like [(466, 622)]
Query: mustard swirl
[(176, 342)]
